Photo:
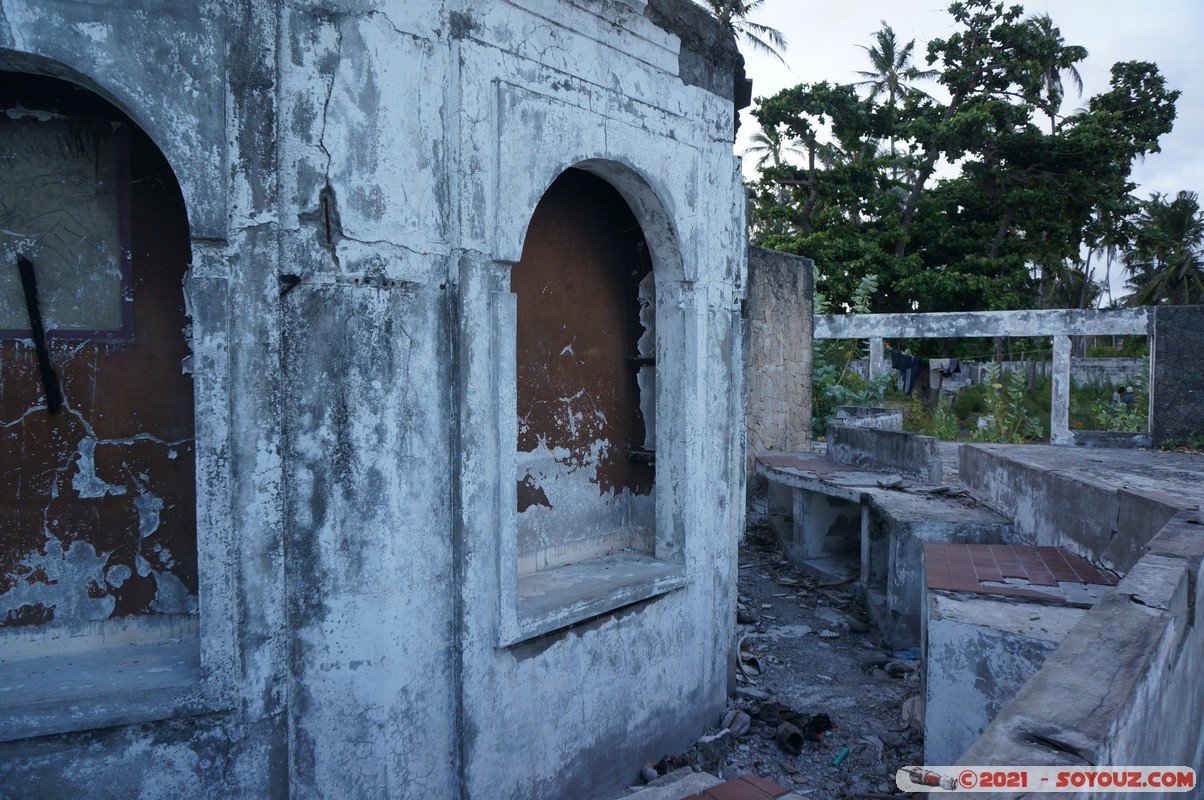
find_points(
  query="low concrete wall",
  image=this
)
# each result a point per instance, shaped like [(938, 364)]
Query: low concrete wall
[(886, 451), (980, 651), (892, 554), (887, 419), (1048, 507), (1124, 686)]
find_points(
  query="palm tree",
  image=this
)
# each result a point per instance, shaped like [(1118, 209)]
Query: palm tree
[(733, 14), (891, 68), (891, 74), (767, 144), (1057, 58), (1166, 262)]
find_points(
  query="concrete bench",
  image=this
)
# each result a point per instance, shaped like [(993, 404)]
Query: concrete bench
[(848, 521)]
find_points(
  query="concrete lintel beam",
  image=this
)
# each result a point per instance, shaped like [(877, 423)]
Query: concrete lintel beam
[(1071, 322)]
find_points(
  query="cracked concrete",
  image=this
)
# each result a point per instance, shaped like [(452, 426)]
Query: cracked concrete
[(356, 185)]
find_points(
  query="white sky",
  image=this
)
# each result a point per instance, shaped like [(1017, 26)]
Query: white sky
[(822, 39)]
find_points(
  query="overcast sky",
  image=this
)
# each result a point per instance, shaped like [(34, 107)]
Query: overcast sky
[(822, 40)]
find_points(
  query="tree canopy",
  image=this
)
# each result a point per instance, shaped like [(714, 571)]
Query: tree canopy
[(1166, 260), (976, 195)]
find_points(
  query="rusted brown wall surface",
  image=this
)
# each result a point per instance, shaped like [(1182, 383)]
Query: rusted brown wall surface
[(578, 328), (97, 501), (578, 324)]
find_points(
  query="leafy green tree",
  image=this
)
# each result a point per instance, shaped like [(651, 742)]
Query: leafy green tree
[(1006, 225), (1166, 262), (734, 16)]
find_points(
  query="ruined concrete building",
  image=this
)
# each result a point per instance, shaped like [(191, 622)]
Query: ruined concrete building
[(371, 415)]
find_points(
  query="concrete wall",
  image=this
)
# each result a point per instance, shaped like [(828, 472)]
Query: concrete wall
[(888, 419), (1103, 524), (1177, 410), (358, 183), (979, 653), (892, 554), (1123, 686), (1106, 373)]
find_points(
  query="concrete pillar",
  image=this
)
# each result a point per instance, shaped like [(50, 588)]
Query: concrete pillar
[(1059, 411), (877, 357)]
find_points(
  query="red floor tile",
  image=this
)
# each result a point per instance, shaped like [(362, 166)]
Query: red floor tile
[(769, 787), (736, 789)]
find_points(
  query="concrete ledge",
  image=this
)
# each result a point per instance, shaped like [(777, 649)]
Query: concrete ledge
[(1117, 439), (888, 419), (682, 786), (886, 451), (88, 690), (552, 599), (1051, 506)]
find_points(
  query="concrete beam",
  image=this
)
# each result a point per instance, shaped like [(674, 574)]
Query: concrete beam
[(1070, 322)]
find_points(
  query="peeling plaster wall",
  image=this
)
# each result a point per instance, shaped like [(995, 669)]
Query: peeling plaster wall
[(198, 80), (99, 506), (585, 472), (646, 679), (359, 183)]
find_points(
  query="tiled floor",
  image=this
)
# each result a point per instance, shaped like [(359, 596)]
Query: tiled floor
[(746, 787), (964, 568)]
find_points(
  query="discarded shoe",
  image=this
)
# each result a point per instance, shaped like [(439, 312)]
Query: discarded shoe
[(789, 738)]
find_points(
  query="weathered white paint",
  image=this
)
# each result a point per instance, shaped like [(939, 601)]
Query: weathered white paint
[(355, 433)]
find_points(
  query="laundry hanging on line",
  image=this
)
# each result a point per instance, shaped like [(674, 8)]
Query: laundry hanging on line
[(909, 366)]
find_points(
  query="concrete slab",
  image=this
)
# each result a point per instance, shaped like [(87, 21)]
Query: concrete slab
[(840, 514), (673, 786), (994, 614)]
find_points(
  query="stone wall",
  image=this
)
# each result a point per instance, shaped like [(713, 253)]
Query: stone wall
[(1178, 396), (778, 346)]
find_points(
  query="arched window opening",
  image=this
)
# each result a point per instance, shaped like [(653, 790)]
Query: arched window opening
[(585, 372), (97, 470)]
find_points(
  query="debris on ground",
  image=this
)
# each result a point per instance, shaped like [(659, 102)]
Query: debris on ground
[(818, 705)]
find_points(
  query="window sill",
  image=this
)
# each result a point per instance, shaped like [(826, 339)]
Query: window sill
[(551, 599), (92, 687)]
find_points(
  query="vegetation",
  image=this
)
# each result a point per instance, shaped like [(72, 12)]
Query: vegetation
[(1027, 198), (1012, 411), (1166, 261), (734, 16), (834, 381)]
